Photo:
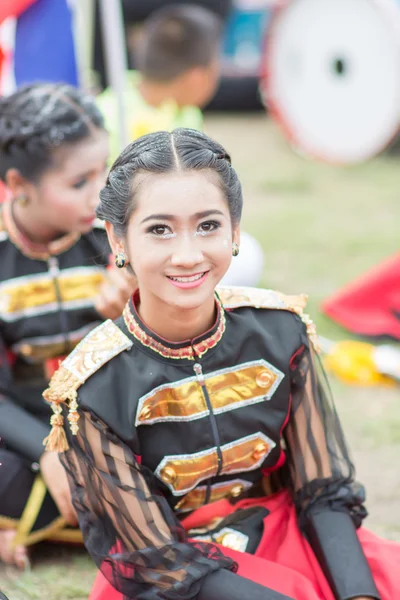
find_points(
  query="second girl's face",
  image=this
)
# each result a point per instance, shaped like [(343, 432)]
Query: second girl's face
[(179, 238), (67, 194)]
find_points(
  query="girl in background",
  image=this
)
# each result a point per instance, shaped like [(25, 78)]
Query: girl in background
[(54, 288)]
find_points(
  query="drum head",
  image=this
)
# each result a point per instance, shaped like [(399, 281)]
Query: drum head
[(332, 76)]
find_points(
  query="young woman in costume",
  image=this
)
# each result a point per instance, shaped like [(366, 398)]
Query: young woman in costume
[(205, 455), (53, 288)]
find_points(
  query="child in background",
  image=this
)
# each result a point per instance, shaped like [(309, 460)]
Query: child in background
[(55, 286), (177, 57)]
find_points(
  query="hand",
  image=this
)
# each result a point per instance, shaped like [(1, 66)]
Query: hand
[(56, 480), (17, 556), (115, 292)]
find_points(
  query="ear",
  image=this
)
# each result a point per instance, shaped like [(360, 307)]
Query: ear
[(115, 242), (236, 235), (17, 184), (194, 77)]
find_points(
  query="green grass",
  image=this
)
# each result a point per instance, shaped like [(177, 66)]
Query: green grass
[(320, 227)]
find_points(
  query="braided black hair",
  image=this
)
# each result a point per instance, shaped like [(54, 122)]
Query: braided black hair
[(164, 152), (38, 118)]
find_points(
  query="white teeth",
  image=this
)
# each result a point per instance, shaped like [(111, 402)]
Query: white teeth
[(188, 279)]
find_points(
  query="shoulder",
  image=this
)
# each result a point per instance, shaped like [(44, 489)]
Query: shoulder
[(98, 348), (233, 298)]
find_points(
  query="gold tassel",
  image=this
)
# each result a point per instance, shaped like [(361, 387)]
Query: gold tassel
[(56, 441), (73, 415)]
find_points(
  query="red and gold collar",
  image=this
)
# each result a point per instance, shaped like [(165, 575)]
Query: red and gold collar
[(32, 249), (188, 349)]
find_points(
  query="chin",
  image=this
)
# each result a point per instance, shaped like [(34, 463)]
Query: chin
[(190, 300), (84, 227)]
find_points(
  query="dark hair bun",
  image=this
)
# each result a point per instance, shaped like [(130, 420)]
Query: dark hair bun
[(39, 117)]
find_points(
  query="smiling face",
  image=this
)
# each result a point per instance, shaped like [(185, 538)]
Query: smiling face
[(179, 238)]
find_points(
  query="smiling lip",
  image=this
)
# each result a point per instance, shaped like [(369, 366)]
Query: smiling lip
[(188, 281)]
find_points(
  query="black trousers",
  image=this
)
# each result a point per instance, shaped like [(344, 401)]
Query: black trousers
[(16, 480)]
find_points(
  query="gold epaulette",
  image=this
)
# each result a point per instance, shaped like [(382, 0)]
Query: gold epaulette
[(95, 350), (237, 297)]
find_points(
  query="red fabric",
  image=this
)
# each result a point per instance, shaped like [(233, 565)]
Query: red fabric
[(284, 561), (51, 365), (2, 186), (371, 305), (13, 8)]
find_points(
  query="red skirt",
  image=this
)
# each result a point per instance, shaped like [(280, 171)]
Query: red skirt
[(284, 560)]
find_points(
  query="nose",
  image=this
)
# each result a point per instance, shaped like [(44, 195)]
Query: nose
[(187, 253)]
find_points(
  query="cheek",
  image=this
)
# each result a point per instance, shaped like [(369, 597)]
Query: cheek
[(59, 200), (146, 254)]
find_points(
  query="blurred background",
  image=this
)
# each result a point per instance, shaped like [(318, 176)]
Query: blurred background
[(307, 103)]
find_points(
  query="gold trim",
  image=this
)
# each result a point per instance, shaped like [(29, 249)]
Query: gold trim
[(39, 353), (219, 491), (32, 249), (227, 537), (189, 352), (95, 350), (236, 297), (187, 470), (228, 389), (41, 291)]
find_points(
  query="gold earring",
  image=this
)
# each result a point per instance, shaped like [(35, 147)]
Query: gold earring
[(120, 260), (22, 200), (235, 249)]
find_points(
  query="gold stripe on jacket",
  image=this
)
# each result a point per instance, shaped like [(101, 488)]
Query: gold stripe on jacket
[(228, 389), (181, 473)]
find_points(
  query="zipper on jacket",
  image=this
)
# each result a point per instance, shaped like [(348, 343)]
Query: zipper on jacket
[(197, 368), (54, 271)]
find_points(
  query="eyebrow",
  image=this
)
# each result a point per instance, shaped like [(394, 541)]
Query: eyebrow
[(199, 215)]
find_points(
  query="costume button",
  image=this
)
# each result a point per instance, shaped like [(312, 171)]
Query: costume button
[(230, 540), (260, 450), (236, 490), (264, 379), (145, 414), (26, 350), (168, 475)]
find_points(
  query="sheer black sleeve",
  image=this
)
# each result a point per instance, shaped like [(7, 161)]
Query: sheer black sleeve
[(128, 527), (329, 501)]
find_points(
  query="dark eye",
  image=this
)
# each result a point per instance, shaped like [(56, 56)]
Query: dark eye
[(209, 226), (160, 230), (80, 184)]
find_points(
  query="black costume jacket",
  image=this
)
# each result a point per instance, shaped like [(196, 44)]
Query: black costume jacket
[(165, 428), (46, 307)]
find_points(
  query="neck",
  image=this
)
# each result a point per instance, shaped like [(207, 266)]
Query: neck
[(155, 93), (30, 227), (176, 324)]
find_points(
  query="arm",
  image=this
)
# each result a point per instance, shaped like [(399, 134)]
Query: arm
[(20, 430), (328, 500), (133, 535)]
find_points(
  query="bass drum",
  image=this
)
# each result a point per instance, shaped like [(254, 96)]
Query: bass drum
[(331, 76)]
